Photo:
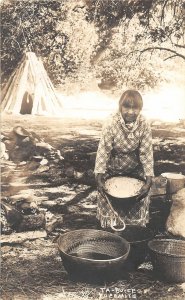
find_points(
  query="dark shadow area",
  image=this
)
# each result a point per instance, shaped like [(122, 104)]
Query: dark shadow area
[(27, 104)]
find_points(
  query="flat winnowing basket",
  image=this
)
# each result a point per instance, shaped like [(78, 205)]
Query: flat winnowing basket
[(168, 258)]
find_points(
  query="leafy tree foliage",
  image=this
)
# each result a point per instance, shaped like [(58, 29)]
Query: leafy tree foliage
[(150, 31), (125, 68), (117, 41), (31, 26), (162, 22), (82, 38), (56, 30)]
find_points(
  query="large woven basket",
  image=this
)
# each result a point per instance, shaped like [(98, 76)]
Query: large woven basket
[(168, 259), (93, 255)]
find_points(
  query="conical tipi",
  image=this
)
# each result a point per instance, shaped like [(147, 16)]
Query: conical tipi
[(29, 90)]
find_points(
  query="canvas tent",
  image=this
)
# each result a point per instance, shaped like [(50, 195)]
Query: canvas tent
[(29, 89)]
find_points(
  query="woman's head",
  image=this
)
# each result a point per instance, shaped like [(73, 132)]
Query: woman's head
[(130, 105)]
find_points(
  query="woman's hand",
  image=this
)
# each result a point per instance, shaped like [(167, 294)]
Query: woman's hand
[(145, 188), (100, 181)]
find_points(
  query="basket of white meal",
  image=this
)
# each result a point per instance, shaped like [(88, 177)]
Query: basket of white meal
[(123, 191)]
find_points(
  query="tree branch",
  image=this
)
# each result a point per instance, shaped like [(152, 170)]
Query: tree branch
[(170, 57), (179, 46), (163, 8), (162, 49)]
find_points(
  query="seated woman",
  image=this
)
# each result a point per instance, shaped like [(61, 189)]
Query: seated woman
[(125, 148)]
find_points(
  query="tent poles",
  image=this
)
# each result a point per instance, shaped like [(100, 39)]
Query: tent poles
[(31, 77), (10, 97)]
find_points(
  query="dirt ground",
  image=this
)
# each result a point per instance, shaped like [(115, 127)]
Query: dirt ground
[(33, 269)]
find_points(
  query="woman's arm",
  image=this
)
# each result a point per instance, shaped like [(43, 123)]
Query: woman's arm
[(100, 181), (146, 159), (103, 155), (146, 152), (104, 150), (145, 188)]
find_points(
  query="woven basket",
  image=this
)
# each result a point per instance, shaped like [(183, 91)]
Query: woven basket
[(93, 255), (168, 259), (138, 237), (122, 203)]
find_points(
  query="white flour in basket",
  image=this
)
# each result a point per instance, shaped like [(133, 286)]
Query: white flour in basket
[(123, 187)]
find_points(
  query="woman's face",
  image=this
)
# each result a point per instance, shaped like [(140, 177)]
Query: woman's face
[(129, 114)]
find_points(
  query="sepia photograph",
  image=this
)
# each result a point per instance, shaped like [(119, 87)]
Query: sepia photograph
[(92, 149)]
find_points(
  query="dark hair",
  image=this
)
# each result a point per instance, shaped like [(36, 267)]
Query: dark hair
[(131, 98)]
